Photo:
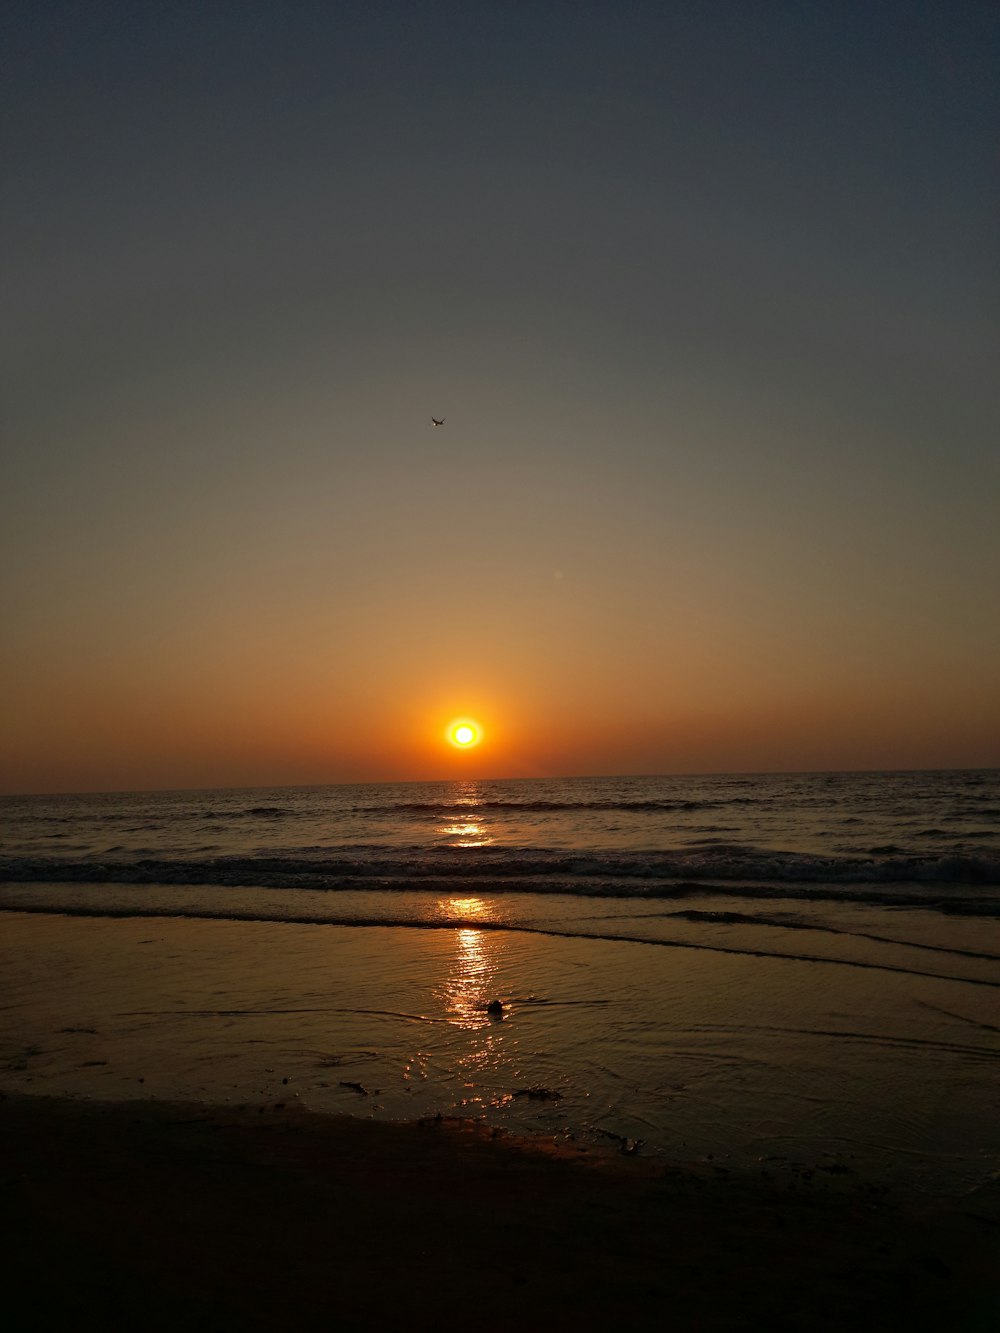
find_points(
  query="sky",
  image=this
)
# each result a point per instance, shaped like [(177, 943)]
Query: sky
[(706, 293)]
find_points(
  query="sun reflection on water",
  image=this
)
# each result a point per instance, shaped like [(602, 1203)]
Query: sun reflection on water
[(466, 834), (468, 985), (464, 909), (466, 827), (486, 1044), (472, 980)]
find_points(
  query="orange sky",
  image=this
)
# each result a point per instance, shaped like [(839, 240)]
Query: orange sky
[(215, 719)]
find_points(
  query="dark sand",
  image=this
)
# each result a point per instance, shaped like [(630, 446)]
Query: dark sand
[(152, 1215)]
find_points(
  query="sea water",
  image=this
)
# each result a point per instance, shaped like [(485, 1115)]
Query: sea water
[(734, 965)]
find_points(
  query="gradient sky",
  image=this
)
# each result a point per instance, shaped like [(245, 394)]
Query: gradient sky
[(707, 293)]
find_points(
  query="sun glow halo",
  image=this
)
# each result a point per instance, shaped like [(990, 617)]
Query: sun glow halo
[(464, 734)]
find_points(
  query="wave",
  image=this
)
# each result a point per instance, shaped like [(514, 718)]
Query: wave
[(956, 884), (969, 833), (784, 923), (706, 859), (138, 819), (140, 816), (449, 809), (120, 912), (252, 812), (397, 809)]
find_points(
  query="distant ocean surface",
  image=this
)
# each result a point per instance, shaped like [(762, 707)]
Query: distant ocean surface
[(785, 967), (928, 838)]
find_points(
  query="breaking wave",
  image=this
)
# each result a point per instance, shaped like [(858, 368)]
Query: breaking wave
[(449, 809), (954, 883)]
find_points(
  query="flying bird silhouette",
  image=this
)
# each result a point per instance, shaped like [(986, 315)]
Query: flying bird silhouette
[(435, 422)]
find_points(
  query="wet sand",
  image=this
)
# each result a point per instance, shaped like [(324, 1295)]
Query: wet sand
[(702, 1056), (163, 1215), (174, 1153)]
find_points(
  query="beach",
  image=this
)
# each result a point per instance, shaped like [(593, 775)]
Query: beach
[(694, 1054), (722, 1053), (163, 1215), (201, 1127)]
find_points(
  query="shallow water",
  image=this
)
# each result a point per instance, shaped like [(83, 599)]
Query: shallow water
[(693, 1052)]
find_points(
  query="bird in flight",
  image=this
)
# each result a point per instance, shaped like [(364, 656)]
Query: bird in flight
[(435, 422)]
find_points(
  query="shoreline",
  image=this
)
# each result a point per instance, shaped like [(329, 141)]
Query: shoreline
[(158, 1214), (703, 1057)]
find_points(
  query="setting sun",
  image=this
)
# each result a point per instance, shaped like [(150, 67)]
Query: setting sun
[(464, 734)]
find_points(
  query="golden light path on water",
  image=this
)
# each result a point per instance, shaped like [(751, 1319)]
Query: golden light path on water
[(466, 828), (467, 834), (473, 982)]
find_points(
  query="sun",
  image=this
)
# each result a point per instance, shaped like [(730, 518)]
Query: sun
[(463, 733)]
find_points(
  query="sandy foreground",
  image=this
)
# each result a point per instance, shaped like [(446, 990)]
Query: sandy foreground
[(159, 1215)]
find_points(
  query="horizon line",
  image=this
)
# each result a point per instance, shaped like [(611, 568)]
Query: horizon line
[(426, 782)]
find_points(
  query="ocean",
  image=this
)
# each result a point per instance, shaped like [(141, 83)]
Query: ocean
[(908, 838), (726, 966)]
